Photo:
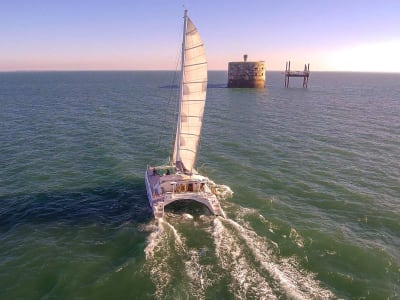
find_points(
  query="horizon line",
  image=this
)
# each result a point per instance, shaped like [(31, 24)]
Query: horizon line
[(170, 70)]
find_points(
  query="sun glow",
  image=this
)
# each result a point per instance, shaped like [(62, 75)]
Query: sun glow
[(378, 57)]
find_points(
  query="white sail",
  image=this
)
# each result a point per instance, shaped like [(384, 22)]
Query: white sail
[(192, 99)]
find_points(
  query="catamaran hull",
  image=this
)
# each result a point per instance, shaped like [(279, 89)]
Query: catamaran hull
[(158, 200)]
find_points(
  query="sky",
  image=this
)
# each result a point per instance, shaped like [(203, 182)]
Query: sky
[(352, 35)]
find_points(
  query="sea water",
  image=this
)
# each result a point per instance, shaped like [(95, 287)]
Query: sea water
[(315, 176)]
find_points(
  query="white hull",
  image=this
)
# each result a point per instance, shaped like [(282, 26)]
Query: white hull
[(163, 189)]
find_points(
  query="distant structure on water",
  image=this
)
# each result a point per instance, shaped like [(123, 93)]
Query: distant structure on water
[(246, 74), (305, 74)]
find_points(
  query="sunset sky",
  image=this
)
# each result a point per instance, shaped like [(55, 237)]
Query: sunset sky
[(336, 35)]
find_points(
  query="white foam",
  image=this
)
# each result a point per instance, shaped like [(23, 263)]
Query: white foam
[(271, 227), (157, 256), (165, 243), (147, 227), (123, 266), (222, 191), (154, 239), (294, 282), (296, 237), (197, 275), (247, 282), (177, 237), (249, 259), (188, 216)]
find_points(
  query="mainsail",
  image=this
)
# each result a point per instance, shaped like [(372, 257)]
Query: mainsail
[(192, 98)]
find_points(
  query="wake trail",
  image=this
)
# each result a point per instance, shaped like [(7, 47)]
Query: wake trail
[(249, 260), (177, 237), (166, 249), (246, 281), (286, 273), (154, 239), (157, 265)]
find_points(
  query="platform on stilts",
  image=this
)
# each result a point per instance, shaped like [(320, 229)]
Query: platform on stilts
[(305, 74)]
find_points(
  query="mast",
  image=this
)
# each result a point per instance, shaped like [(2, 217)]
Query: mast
[(178, 130)]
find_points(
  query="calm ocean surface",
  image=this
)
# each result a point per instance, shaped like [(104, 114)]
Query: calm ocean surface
[(315, 175)]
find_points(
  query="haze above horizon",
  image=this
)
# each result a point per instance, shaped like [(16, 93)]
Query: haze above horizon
[(122, 35)]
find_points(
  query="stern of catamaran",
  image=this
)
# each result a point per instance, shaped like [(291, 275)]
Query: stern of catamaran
[(165, 185)]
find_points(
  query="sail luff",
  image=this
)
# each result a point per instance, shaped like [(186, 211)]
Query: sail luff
[(192, 99), (176, 154)]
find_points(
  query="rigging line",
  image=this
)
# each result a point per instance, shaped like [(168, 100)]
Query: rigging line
[(170, 96)]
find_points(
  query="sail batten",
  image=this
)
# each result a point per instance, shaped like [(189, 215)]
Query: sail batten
[(195, 64), (194, 47), (192, 134)]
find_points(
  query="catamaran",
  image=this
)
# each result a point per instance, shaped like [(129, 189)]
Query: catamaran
[(179, 180)]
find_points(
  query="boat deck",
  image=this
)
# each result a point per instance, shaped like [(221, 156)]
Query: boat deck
[(165, 189)]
